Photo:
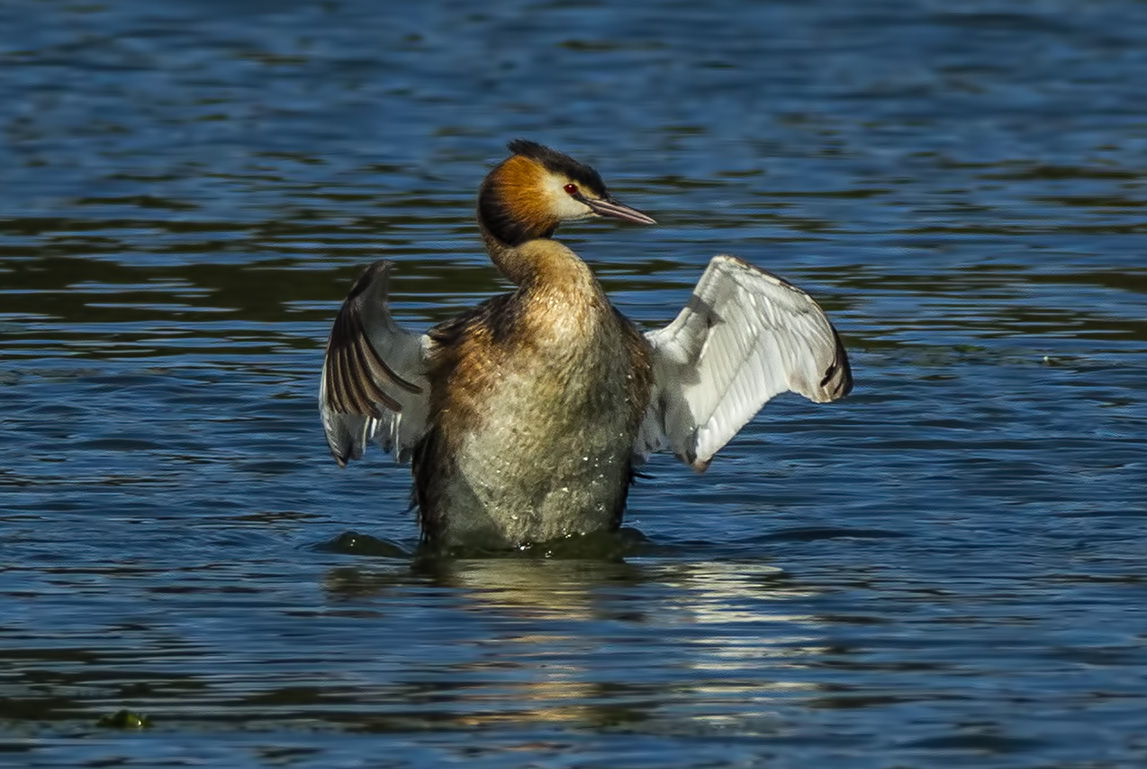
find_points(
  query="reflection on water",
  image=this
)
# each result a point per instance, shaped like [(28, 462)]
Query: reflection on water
[(944, 569), (564, 640)]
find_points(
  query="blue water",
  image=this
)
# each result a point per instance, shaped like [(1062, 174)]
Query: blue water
[(945, 569)]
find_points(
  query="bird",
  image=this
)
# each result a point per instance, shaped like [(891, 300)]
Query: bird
[(525, 417)]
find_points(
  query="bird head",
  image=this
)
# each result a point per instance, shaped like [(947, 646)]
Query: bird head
[(530, 193)]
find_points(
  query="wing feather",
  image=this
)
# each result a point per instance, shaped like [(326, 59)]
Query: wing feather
[(744, 336), (374, 375)]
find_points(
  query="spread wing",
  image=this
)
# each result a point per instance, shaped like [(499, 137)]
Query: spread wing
[(743, 337), (374, 375)]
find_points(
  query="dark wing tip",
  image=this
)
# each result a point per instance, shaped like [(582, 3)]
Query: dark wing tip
[(689, 456), (379, 270), (837, 380)]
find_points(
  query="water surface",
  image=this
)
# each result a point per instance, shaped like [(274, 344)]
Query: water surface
[(945, 569)]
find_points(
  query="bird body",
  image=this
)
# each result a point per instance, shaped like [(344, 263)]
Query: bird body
[(535, 404), (524, 417)]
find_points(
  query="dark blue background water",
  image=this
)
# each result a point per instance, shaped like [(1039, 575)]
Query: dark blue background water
[(946, 569)]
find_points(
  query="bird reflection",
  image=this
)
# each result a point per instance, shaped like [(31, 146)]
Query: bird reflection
[(588, 642)]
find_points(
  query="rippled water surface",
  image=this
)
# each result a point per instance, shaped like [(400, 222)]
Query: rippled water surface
[(945, 569)]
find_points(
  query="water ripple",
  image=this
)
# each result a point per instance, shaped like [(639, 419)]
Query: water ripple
[(943, 569)]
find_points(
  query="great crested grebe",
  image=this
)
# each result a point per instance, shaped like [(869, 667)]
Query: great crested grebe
[(524, 417)]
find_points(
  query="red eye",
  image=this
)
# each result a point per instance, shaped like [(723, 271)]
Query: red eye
[(571, 188)]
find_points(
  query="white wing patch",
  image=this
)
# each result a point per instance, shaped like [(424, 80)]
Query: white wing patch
[(744, 336)]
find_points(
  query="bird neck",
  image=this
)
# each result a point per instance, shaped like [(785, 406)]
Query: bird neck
[(510, 259), (546, 268)]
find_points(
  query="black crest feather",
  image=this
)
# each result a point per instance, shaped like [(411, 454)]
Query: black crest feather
[(561, 163)]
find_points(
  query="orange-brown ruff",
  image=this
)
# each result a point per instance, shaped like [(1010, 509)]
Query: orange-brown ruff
[(523, 417)]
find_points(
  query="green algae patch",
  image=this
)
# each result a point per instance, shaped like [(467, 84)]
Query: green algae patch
[(124, 719)]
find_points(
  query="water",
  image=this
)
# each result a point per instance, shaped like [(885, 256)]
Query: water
[(945, 569)]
